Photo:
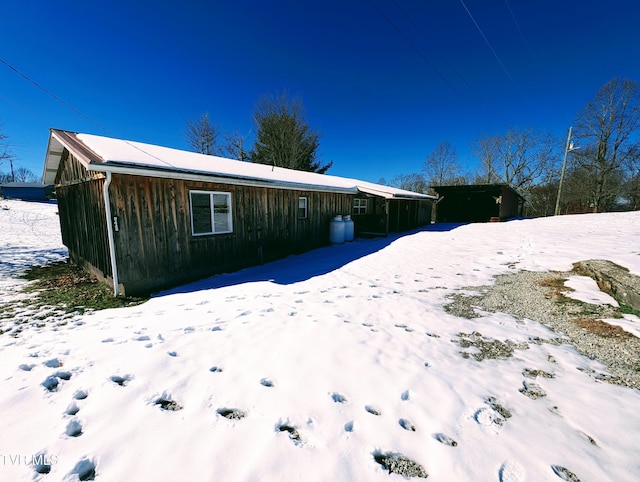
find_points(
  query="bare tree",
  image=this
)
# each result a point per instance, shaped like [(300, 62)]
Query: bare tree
[(283, 136), (22, 174), (234, 146), (202, 136), (519, 158), (632, 186), (415, 182), (604, 130), (441, 166), (5, 149)]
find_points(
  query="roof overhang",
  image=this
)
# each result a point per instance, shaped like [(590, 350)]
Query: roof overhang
[(60, 140), (152, 171), (400, 194)]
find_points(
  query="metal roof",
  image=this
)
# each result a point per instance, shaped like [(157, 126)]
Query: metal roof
[(104, 154)]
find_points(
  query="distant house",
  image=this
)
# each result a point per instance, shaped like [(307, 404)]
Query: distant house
[(477, 203), (27, 191), (144, 217)]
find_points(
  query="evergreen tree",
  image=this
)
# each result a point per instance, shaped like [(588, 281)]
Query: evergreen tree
[(284, 139)]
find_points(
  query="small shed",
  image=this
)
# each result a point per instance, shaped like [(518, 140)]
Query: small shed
[(477, 203), (144, 217), (27, 191)]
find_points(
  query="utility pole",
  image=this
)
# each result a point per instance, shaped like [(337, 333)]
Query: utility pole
[(568, 147), (13, 176)]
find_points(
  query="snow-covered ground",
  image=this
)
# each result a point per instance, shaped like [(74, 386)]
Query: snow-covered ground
[(349, 345)]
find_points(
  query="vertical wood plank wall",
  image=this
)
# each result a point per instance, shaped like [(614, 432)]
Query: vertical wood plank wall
[(82, 215), (153, 242), (155, 247)]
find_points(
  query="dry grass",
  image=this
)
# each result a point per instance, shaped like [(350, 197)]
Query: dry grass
[(600, 328), (556, 286)]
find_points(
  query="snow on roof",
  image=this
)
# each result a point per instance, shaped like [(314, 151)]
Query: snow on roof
[(119, 155)]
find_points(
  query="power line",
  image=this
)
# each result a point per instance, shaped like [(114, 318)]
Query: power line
[(417, 50), (84, 116), (488, 43), (515, 20), (464, 80), (54, 96)]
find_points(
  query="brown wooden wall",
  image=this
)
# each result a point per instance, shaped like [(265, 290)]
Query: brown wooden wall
[(405, 214), (155, 247), (510, 205), (82, 215)]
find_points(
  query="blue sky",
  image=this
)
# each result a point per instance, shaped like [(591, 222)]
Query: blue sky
[(383, 81)]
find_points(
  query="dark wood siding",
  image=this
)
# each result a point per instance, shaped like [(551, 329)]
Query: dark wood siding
[(82, 215), (155, 247)]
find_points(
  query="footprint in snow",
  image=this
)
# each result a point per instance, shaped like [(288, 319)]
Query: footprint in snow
[(564, 473), (373, 410), (53, 363), (294, 435), (445, 439), (405, 395), (80, 394), (511, 472), (121, 380), (41, 463), (26, 367), (85, 470), (72, 410), (215, 369), (487, 417), (143, 338), (167, 404), (63, 375), (51, 383), (231, 413), (267, 382), (407, 425), (348, 427), (74, 429), (172, 353), (338, 398)]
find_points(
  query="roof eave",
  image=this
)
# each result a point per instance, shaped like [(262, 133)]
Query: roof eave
[(152, 171)]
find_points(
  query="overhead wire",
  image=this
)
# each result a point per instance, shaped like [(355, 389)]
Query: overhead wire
[(515, 21), (464, 80), (493, 51), (76, 111), (417, 50), (54, 96)]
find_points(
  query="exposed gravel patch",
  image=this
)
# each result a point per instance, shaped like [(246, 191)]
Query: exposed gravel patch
[(538, 296)]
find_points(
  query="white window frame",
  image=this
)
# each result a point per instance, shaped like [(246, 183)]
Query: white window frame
[(306, 207), (212, 212), (359, 206)]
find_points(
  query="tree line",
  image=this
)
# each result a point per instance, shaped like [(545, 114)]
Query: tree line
[(598, 169)]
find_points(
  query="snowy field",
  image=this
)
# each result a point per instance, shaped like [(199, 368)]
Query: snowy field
[(333, 357)]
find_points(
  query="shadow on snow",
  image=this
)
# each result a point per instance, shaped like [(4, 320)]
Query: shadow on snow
[(301, 267)]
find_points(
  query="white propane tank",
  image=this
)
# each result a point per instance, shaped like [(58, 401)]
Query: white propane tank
[(336, 230), (349, 228)]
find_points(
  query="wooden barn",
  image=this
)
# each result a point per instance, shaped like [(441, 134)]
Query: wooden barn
[(477, 203), (144, 217)]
